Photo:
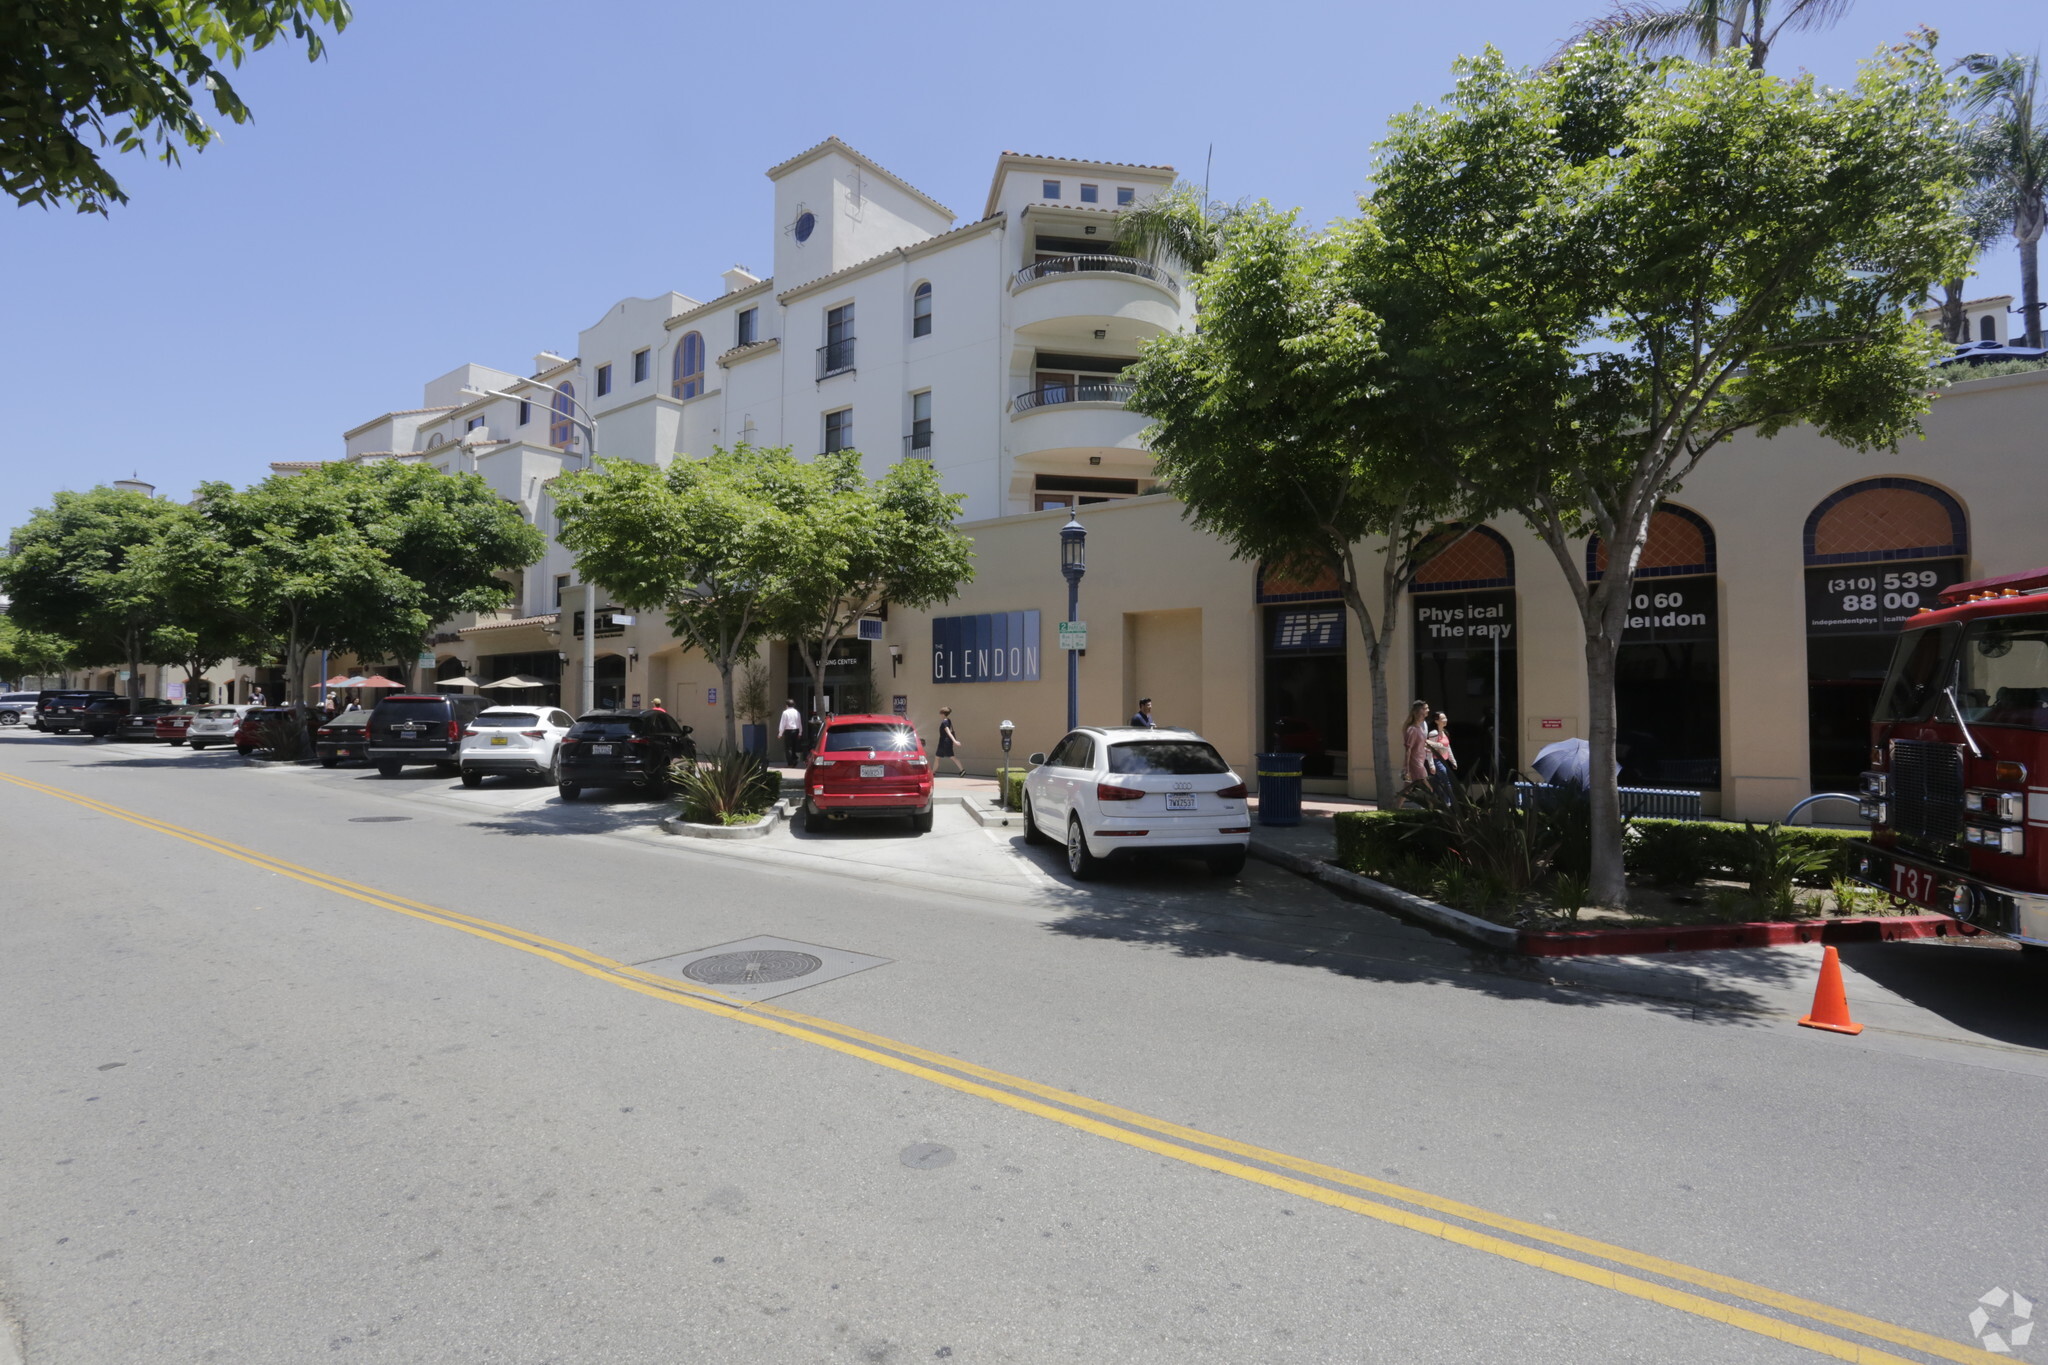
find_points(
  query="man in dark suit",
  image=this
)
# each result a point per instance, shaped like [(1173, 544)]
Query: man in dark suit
[(1142, 718)]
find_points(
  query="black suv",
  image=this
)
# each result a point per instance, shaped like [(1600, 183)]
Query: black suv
[(622, 749), (58, 710), (411, 729)]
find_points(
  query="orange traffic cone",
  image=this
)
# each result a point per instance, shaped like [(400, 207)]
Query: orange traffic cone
[(1830, 1001)]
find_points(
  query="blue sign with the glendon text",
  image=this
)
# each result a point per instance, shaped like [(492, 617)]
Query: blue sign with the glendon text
[(993, 647)]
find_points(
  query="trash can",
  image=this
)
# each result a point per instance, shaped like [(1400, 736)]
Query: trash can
[(1279, 789), (754, 740)]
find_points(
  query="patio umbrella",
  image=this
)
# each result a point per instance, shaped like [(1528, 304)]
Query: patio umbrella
[(456, 682), (377, 680), (339, 680), (1567, 761), (517, 680)]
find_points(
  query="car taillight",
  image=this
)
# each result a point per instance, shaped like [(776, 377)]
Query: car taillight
[(567, 740), (919, 762), (1104, 791), (468, 731), (534, 734), (643, 743), (1236, 793), (454, 729), (326, 733)]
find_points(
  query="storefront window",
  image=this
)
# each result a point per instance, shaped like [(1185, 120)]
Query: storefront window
[(1303, 630), (1463, 620), (1667, 680), (1876, 552)]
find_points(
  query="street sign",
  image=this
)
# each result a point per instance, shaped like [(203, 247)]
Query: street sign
[(1073, 635), (900, 704), (711, 696), (622, 618)]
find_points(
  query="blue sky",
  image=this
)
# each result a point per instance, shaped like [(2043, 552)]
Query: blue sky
[(463, 180)]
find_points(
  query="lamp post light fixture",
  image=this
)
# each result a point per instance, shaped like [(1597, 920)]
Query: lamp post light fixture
[(587, 424), (1073, 564), (1007, 729)]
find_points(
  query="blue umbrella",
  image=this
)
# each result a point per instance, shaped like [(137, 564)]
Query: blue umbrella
[(1567, 761)]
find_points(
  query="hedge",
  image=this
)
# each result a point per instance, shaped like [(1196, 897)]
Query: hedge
[(1680, 852)]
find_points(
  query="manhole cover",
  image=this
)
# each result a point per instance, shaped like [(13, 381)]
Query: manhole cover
[(377, 819), (753, 968)]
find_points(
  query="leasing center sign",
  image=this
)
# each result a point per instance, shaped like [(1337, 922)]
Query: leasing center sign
[(993, 647)]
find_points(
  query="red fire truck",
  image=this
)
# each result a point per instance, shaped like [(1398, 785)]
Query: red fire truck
[(1957, 795)]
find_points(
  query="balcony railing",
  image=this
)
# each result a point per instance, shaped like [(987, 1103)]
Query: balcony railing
[(1085, 391), (919, 442), (835, 357), (1082, 265)]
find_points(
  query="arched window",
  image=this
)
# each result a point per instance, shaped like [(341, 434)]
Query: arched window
[(1681, 545), (1466, 646), (689, 366), (1987, 328), (921, 310), (1475, 557), (1886, 519), (561, 431), (435, 440)]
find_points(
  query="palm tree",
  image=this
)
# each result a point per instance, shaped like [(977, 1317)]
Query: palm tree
[(2011, 145), (1709, 27), (1987, 207), (1182, 225)]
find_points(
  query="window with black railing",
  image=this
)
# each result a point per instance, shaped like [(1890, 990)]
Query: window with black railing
[(836, 355), (1055, 386)]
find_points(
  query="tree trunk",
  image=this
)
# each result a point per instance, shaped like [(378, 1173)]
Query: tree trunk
[(134, 664), (2030, 279), (1383, 786), (732, 743), (1609, 883), (1955, 323)]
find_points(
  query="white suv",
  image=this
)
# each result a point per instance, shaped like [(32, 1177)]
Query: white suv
[(213, 725), (520, 741), (1113, 792)]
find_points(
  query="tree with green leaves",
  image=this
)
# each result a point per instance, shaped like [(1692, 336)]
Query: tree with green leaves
[(1616, 266), (79, 76), (88, 568), (1278, 431), (850, 545), (700, 541), (1707, 28), (32, 654), (453, 538), (2010, 154)]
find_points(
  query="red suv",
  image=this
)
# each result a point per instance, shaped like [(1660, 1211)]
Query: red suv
[(868, 766)]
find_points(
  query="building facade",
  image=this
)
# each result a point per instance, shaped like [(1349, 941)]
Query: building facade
[(1767, 598)]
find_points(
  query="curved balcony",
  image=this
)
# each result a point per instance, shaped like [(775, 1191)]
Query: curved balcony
[(1128, 299), (1059, 427)]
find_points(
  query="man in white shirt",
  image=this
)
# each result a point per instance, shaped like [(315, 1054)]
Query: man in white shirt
[(791, 728)]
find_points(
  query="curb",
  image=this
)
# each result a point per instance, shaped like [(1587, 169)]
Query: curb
[(761, 828), (987, 816), (1393, 900), (1756, 934)]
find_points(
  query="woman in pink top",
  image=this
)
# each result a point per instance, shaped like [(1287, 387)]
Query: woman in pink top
[(1416, 740)]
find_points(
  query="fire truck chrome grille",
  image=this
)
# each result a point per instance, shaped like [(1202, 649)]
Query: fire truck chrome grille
[(1927, 790)]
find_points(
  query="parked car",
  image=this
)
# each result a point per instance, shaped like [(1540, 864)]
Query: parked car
[(620, 749), (217, 724), (106, 716), (414, 728), (15, 705), (172, 726), (868, 767), (343, 737), (141, 722), (1116, 792), (516, 741), (58, 709)]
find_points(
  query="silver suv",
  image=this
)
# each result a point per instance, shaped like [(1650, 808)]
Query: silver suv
[(15, 707)]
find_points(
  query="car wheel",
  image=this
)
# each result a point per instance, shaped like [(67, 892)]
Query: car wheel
[(329, 762), (245, 749), (177, 744), (472, 779), (921, 823), (388, 769), (1032, 833), (197, 747), (1227, 864), (569, 790), (553, 772), (814, 819), (8, 718), (448, 769), (1083, 864)]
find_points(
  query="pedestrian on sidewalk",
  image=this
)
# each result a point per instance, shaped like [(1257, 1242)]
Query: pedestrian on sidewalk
[(791, 729), (1415, 746), (659, 707), (948, 741), (1443, 763), (1142, 719)]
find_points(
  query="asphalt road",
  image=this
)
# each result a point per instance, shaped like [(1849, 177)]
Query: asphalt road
[(312, 1065)]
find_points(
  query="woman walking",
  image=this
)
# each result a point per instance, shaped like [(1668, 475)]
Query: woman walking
[(1415, 744), (1442, 761), (948, 741)]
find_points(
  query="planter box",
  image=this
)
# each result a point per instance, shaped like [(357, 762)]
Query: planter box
[(761, 828)]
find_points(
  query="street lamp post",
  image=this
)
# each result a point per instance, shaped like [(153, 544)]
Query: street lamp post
[(587, 424), (1074, 564)]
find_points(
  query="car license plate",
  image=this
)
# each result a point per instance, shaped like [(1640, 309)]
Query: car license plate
[(1921, 888), (870, 770), (601, 749), (1180, 802), (501, 739)]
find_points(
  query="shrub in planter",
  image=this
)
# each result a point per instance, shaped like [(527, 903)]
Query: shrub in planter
[(283, 737), (724, 785), (1373, 843), (1668, 852), (1685, 852)]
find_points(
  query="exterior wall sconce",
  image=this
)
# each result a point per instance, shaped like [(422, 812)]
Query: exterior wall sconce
[(632, 655), (895, 659)]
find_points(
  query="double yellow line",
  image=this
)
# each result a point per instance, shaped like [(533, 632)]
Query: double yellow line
[(1529, 1244)]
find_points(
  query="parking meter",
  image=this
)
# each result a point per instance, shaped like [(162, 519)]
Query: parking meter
[(1007, 729)]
